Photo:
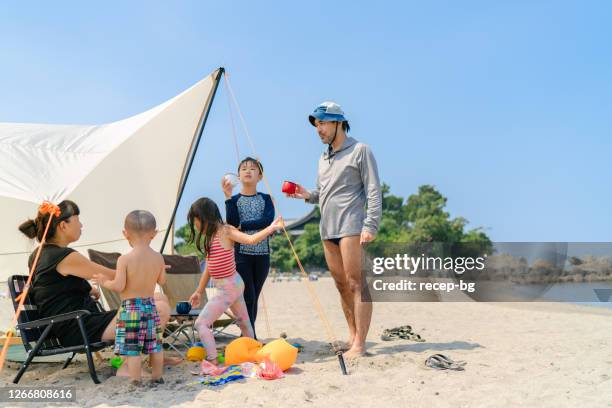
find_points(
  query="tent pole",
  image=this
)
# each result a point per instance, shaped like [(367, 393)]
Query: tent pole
[(220, 72)]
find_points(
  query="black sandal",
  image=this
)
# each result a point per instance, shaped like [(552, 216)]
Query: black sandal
[(442, 362), (402, 332)]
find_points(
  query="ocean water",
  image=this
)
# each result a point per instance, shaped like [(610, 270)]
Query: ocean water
[(598, 294)]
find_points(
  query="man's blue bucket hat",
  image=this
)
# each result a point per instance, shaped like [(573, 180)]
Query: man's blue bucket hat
[(327, 112)]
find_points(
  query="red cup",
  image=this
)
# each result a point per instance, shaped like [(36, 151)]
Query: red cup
[(289, 187)]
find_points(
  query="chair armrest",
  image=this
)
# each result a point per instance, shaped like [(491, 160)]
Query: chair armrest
[(53, 319)]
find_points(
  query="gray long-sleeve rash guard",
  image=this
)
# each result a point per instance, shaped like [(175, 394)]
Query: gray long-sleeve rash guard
[(346, 183)]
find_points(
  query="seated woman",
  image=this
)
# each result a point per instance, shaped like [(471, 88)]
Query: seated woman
[(59, 284)]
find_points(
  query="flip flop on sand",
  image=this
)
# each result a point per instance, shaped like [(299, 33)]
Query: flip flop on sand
[(402, 332), (442, 362)]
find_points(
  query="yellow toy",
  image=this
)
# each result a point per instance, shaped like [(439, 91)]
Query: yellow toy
[(241, 350), (279, 352), (196, 353)]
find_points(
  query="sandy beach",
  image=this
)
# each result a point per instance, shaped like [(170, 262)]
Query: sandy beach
[(517, 354)]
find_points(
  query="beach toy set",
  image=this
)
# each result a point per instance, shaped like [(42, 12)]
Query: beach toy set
[(278, 352), (196, 352), (183, 307), (116, 362), (220, 375), (242, 350), (247, 358), (245, 349)]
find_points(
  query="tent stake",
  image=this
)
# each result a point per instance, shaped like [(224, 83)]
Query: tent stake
[(341, 361)]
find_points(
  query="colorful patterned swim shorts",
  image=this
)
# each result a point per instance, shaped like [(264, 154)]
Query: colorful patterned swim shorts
[(138, 328)]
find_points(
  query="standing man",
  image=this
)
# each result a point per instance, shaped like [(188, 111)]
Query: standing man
[(348, 192)]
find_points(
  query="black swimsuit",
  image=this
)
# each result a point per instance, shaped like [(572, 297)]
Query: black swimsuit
[(54, 293)]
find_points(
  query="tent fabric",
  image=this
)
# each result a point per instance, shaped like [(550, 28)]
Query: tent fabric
[(108, 170)]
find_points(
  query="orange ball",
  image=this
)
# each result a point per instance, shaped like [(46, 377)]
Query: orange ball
[(241, 350), (279, 352)]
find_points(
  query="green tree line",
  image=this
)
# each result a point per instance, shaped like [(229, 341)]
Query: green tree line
[(420, 218)]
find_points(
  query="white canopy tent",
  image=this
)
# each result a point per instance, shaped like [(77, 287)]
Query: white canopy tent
[(141, 162)]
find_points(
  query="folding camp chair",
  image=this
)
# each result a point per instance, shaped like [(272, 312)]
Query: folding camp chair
[(182, 278), (37, 337)]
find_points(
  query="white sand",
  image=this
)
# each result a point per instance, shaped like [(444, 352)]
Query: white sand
[(531, 354)]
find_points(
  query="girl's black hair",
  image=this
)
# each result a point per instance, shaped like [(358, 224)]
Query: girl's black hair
[(36, 228), (205, 210), (346, 127), (251, 160)]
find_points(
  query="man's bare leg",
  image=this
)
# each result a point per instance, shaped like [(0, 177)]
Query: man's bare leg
[(334, 263), (350, 249)]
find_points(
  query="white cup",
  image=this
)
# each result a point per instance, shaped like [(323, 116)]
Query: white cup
[(232, 178)]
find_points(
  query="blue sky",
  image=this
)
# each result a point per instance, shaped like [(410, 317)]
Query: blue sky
[(503, 106)]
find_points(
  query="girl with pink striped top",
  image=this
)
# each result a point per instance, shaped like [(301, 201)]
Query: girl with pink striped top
[(216, 240)]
